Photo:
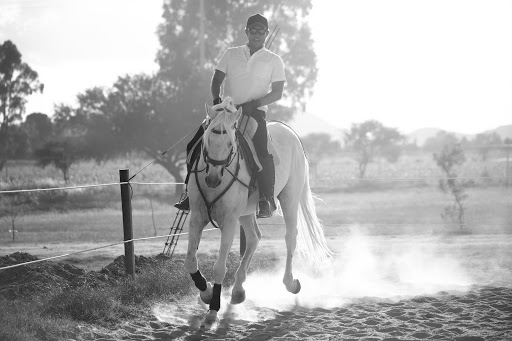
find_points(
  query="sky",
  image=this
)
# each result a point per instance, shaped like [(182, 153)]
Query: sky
[(408, 64)]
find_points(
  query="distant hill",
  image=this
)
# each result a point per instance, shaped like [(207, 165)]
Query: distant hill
[(503, 131), (306, 123), (421, 135)]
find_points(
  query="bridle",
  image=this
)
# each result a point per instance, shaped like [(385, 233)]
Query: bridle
[(225, 163)]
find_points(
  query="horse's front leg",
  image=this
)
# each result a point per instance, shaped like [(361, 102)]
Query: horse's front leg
[(220, 269), (252, 236), (196, 226)]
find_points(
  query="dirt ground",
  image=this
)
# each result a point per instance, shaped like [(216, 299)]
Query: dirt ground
[(377, 288)]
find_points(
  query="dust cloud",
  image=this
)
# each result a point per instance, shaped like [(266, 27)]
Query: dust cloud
[(364, 267)]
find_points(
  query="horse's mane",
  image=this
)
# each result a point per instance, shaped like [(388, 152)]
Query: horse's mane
[(224, 116)]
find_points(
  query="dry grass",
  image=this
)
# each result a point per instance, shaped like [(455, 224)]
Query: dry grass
[(418, 165), (59, 314)]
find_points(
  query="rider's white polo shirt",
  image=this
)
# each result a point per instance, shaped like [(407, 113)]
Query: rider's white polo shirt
[(250, 77)]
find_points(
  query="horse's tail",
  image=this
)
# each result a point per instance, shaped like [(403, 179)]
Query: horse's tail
[(311, 232)]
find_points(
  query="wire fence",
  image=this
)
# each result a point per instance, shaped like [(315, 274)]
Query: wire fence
[(317, 181), (14, 191), (97, 248)]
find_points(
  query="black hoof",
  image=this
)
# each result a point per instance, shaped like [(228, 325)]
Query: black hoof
[(210, 320)]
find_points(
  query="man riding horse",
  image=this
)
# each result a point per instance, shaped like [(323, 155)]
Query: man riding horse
[(249, 70)]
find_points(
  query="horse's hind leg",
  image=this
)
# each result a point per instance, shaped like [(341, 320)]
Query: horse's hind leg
[(289, 201), (252, 236), (197, 224)]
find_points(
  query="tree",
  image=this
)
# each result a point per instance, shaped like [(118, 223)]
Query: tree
[(450, 156), (181, 44), (183, 79), (318, 146), (441, 139), (17, 81), (61, 152), (14, 205), (370, 139), (507, 144), (485, 142), (153, 112), (39, 129), (17, 140), (124, 118)]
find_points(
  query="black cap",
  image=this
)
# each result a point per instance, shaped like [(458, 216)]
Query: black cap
[(257, 19)]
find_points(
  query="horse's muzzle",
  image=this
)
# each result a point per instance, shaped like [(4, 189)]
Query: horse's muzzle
[(213, 181)]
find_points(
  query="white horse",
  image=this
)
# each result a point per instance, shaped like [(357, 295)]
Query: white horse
[(219, 192)]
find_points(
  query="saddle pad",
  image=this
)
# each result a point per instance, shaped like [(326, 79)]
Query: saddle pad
[(270, 146), (247, 149), (247, 126)]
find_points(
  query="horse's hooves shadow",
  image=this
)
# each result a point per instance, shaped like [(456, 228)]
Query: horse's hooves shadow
[(195, 321)]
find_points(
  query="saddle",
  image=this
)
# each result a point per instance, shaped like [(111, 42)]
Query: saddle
[(246, 129)]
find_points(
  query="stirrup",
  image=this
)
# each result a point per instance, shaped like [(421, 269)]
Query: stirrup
[(183, 204)]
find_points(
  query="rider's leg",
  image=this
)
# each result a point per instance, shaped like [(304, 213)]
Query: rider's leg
[(184, 204), (266, 177)]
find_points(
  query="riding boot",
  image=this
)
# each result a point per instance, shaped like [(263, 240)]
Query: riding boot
[(184, 203), (266, 179)]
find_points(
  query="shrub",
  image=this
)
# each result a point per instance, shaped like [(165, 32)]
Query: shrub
[(450, 156)]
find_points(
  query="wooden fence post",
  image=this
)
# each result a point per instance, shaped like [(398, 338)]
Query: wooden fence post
[(126, 204)]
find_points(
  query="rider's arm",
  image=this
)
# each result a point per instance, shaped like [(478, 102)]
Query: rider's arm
[(217, 79), (274, 95)]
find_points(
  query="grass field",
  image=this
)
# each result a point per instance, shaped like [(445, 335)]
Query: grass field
[(393, 211)]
